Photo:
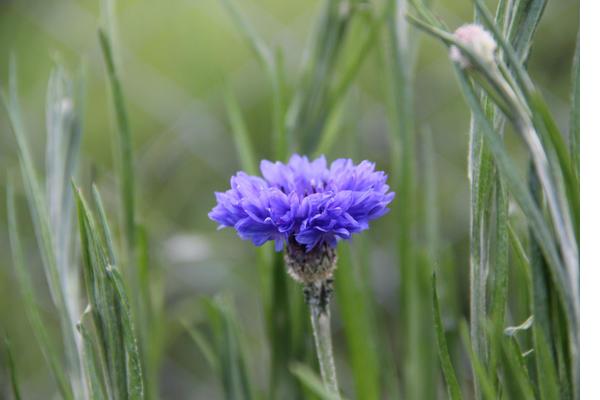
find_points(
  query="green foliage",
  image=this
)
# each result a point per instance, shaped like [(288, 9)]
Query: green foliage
[(118, 348), (554, 267), (446, 363), (356, 310), (522, 338), (230, 361), (12, 370), (312, 381)]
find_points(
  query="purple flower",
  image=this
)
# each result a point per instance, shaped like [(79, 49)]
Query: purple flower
[(303, 202)]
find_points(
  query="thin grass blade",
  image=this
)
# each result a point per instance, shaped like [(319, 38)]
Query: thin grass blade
[(203, 345), (241, 136), (312, 381), (453, 387), (484, 380), (574, 118), (12, 370), (227, 341), (125, 148), (93, 374), (356, 313), (271, 65), (135, 386), (49, 349)]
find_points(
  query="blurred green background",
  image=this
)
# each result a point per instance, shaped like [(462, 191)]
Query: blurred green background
[(177, 58)]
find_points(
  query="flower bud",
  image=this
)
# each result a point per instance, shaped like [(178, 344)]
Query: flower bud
[(316, 265), (479, 41)]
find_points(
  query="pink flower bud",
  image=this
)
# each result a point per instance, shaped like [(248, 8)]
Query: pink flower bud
[(477, 40)]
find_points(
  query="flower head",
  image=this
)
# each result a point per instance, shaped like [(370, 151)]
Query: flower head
[(479, 41), (303, 203)]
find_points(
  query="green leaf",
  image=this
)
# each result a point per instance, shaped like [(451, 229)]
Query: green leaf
[(12, 370), (547, 376), (105, 310), (521, 195), (499, 273), (203, 345), (272, 67), (307, 115), (447, 368), (574, 123), (283, 317), (331, 130), (241, 136), (312, 381), (49, 350), (356, 313), (135, 386), (231, 354), (105, 231), (39, 213), (93, 375), (432, 226), (524, 21), (550, 320), (516, 382), (125, 148), (484, 381)]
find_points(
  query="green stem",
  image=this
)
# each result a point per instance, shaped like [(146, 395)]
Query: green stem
[(318, 301)]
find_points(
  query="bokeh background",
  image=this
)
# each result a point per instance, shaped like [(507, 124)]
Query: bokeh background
[(178, 58)]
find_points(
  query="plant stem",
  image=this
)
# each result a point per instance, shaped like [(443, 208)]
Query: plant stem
[(318, 295)]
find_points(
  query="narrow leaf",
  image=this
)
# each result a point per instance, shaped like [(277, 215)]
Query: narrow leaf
[(125, 148), (356, 315), (479, 371), (446, 363), (49, 349), (12, 370), (312, 381), (135, 386), (241, 136)]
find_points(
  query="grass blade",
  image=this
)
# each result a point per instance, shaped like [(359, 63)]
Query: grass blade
[(49, 349), (102, 299), (203, 345), (312, 381), (135, 386), (516, 383), (37, 206), (447, 368), (499, 274), (479, 372), (105, 229), (574, 123), (226, 339), (524, 22), (307, 115), (12, 370), (271, 66), (547, 376), (94, 379), (355, 307), (241, 136), (125, 148)]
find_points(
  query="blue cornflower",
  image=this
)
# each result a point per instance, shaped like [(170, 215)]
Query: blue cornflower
[(303, 203)]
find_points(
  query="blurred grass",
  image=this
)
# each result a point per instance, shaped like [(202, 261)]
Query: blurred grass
[(185, 128)]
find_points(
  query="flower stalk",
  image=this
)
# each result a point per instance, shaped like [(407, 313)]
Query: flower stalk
[(318, 295), (314, 269)]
